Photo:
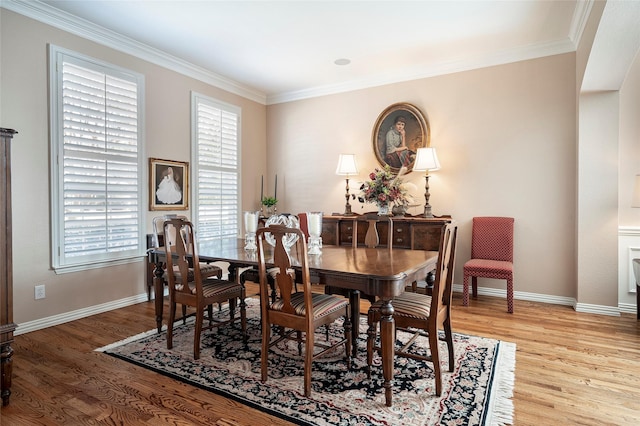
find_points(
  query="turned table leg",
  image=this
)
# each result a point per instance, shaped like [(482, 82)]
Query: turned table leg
[(387, 343)]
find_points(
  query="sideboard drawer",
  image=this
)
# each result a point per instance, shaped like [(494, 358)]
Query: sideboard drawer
[(346, 232), (401, 234)]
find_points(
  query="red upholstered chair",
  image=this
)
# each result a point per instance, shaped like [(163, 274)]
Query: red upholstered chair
[(491, 255)]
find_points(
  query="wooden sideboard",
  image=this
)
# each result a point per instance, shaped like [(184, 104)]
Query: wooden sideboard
[(7, 326), (409, 232)]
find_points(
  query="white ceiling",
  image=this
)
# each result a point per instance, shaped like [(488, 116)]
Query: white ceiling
[(284, 50)]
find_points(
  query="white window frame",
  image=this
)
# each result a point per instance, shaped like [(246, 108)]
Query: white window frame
[(110, 254), (203, 224)]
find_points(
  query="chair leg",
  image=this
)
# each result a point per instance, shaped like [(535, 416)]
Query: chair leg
[(243, 316), (435, 358), (210, 313), (448, 337), (348, 335), (371, 337), (184, 314), (474, 287), (266, 338), (510, 295), (308, 360), (196, 337), (172, 318), (465, 290)]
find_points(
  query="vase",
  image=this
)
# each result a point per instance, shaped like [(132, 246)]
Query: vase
[(383, 209), (269, 211)]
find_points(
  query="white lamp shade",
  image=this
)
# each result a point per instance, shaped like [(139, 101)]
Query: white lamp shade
[(426, 160), (347, 165), (635, 202)]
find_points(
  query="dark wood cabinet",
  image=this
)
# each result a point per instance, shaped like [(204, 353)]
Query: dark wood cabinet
[(7, 327), (409, 232)]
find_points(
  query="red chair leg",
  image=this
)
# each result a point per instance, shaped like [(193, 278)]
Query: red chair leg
[(465, 290), (510, 296)]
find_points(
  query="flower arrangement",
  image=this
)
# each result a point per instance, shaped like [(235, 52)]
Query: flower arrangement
[(384, 188)]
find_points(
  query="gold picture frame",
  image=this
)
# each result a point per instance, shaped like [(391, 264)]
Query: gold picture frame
[(416, 135), (168, 184)]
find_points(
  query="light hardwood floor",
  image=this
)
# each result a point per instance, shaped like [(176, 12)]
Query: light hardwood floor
[(571, 369)]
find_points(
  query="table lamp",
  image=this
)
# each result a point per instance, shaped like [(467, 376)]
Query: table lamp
[(426, 161), (347, 166)]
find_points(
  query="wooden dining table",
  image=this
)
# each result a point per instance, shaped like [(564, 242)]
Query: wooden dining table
[(379, 272)]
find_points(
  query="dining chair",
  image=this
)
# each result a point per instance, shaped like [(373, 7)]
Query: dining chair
[(189, 287), (251, 274), (159, 239), (426, 314), (295, 311), (491, 255)]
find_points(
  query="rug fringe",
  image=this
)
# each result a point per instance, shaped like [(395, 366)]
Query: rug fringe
[(129, 339), (501, 398)]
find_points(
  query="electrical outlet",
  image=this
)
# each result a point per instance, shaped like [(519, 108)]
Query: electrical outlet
[(39, 292)]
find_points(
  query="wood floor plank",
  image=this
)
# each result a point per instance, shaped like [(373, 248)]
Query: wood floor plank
[(571, 369)]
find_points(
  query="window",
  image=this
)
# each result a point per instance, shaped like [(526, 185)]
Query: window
[(96, 162), (215, 167)]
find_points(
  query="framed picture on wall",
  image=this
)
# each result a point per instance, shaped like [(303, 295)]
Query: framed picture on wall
[(398, 133), (168, 185)]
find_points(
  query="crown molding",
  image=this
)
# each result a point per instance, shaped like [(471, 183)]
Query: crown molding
[(449, 67), (51, 16), (80, 27)]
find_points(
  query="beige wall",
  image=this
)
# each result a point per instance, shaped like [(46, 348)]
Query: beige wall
[(24, 107), (629, 144), (505, 137)]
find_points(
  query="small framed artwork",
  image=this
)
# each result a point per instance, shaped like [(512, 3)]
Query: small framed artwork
[(398, 133), (168, 185)]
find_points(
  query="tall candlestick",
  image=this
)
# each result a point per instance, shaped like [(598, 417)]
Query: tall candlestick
[(275, 191)]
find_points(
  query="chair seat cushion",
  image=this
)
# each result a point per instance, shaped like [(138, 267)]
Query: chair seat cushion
[(218, 287), (488, 268), (323, 304), (206, 270), (410, 305)]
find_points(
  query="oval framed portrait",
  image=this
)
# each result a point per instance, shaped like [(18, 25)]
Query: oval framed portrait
[(398, 133)]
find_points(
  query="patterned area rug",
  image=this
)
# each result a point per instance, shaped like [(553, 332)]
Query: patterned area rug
[(478, 392)]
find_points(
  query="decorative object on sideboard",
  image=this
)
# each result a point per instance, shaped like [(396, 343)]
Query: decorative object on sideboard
[(250, 228), (384, 189), (426, 161), (269, 206), (347, 167), (400, 130), (314, 225)]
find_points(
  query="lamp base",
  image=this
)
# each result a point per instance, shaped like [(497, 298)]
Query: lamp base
[(427, 211)]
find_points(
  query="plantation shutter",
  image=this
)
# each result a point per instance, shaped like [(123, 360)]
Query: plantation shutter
[(217, 169), (98, 163)]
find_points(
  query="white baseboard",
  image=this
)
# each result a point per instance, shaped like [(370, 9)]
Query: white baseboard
[(41, 323), (556, 300)]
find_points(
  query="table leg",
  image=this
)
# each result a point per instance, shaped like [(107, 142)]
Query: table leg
[(354, 300), (158, 293), (387, 344)]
